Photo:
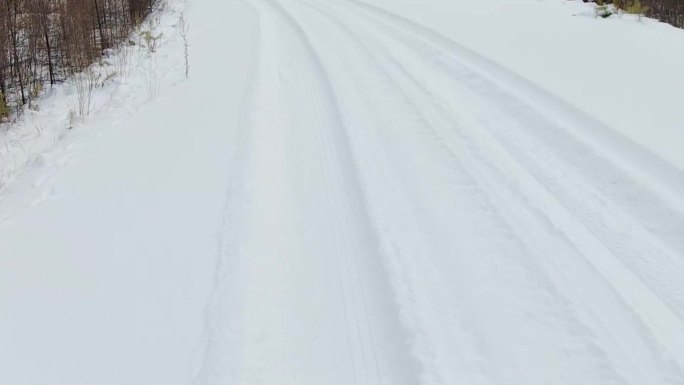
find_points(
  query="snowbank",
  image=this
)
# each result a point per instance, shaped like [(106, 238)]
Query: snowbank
[(108, 237)]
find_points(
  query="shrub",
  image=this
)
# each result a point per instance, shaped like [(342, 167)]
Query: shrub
[(4, 108), (603, 10), (636, 8)]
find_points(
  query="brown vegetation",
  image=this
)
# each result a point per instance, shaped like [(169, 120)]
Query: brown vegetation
[(43, 42)]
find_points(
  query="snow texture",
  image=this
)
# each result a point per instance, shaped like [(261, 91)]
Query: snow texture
[(355, 192)]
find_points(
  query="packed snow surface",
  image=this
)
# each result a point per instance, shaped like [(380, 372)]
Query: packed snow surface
[(356, 192)]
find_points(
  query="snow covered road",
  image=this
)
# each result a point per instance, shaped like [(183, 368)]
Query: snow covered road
[(401, 210), (389, 172)]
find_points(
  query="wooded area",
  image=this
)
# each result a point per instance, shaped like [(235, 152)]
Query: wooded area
[(669, 11), (42, 42)]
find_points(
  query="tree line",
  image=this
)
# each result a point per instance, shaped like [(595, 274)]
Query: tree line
[(668, 11), (43, 42)]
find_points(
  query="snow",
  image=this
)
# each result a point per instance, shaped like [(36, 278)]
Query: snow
[(107, 253), (625, 73), (356, 191)]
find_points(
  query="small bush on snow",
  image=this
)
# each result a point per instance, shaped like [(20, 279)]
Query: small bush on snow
[(603, 10)]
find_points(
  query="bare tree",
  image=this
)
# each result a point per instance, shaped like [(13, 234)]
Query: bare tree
[(44, 42)]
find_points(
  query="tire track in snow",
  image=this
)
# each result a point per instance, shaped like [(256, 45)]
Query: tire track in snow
[(223, 328), (664, 179), (662, 324), (493, 187), (392, 248), (313, 296), (622, 193), (468, 236), (492, 226)]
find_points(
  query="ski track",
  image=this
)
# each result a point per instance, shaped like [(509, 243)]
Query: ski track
[(404, 211)]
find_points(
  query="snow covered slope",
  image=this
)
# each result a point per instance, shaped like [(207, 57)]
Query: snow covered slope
[(356, 191)]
